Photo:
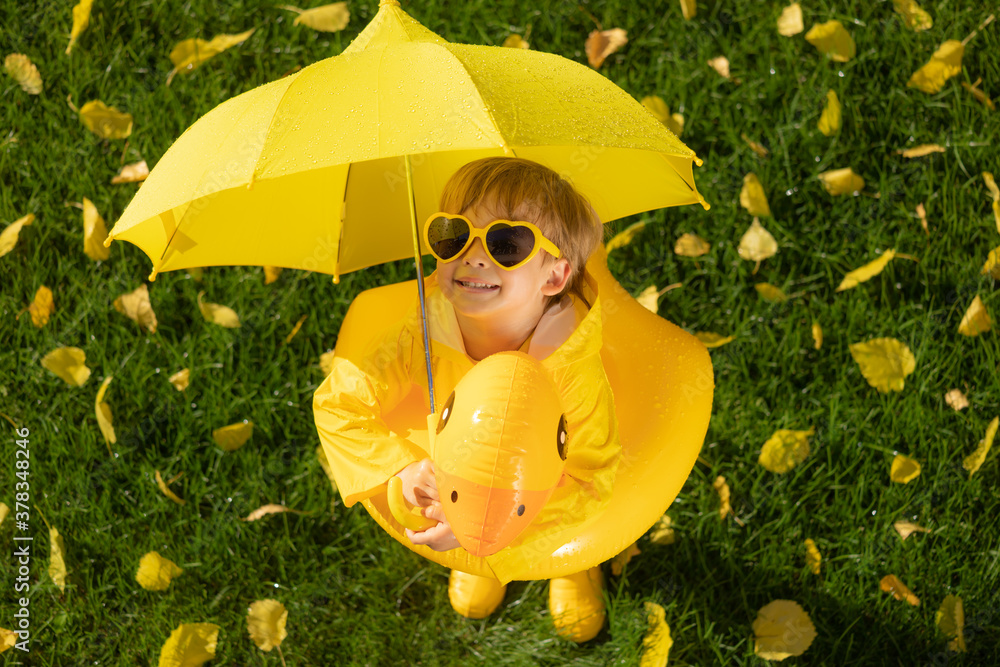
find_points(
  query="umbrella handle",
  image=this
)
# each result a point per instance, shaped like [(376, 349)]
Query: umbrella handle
[(420, 277)]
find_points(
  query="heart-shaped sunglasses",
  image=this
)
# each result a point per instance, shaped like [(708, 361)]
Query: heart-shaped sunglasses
[(509, 244)]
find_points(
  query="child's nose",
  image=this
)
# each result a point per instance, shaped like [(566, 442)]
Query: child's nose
[(476, 254)]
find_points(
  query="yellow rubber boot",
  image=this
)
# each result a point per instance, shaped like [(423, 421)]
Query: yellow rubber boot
[(576, 604), (473, 596)]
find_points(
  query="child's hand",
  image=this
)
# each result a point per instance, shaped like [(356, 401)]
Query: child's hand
[(438, 537), (419, 485), (420, 488)]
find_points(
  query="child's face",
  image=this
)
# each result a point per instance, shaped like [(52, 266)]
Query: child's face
[(516, 296)]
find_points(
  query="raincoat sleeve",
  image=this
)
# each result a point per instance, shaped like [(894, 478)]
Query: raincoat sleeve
[(592, 457), (348, 407)]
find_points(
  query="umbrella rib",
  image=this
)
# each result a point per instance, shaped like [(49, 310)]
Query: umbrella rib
[(489, 112)]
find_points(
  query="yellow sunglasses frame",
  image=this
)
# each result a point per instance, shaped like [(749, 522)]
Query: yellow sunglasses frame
[(541, 243)]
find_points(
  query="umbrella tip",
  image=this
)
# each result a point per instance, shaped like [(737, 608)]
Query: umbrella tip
[(391, 3), (152, 276), (108, 240)]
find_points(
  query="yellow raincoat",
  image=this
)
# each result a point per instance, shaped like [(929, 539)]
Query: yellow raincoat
[(350, 405)]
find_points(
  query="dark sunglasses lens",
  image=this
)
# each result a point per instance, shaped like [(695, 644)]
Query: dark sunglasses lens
[(447, 236), (509, 245)]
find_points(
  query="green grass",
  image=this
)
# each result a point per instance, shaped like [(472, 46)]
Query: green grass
[(354, 595)]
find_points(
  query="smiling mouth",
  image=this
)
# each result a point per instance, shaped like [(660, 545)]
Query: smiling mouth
[(471, 284)]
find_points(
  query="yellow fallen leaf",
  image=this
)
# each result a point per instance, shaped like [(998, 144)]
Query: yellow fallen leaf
[(265, 510), (904, 469), (4, 511), (191, 53), (973, 461), (222, 315), (944, 64), (785, 449), (992, 265), (271, 274), (950, 619), (832, 39), (69, 364), (914, 16), (81, 19), (42, 307), (266, 623), (234, 436), (155, 572), (813, 557), (623, 238), (884, 362), (757, 244), (8, 639), (103, 412), (94, 233), (189, 645), (691, 245), (710, 339), (515, 41), (790, 21), (619, 562), (8, 238), (659, 108), (166, 489), (136, 306), (326, 362), (662, 531), (22, 70), (842, 181), (920, 151), (829, 120), (689, 8), (769, 292), (649, 298), (866, 272), (602, 43), (295, 329), (956, 400), (757, 148), (817, 332), (752, 197), (976, 319), (890, 583), (907, 528), (327, 18), (721, 65), (979, 94), (722, 489), (57, 559), (181, 379), (657, 641), (104, 121), (132, 173), (196, 273), (782, 629), (922, 214), (991, 185)]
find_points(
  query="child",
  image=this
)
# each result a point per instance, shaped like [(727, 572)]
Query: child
[(526, 289)]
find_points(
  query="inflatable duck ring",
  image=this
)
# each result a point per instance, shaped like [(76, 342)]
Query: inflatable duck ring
[(662, 381)]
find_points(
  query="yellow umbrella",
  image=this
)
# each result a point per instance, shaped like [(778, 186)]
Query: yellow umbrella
[(329, 169)]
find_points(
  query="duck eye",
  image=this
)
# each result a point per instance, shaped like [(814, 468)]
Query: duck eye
[(562, 438), (454, 496), (446, 411), (520, 510)]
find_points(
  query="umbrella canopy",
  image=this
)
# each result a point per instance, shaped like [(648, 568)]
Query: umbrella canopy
[(311, 171)]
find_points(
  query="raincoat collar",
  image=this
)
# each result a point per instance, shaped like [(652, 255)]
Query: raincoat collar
[(566, 332)]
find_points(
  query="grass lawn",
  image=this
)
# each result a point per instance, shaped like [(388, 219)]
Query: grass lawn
[(356, 597)]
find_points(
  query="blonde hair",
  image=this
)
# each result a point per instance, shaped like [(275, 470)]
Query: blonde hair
[(514, 187)]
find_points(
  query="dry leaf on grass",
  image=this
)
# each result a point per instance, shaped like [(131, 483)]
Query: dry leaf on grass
[(956, 400), (790, 22), (42, 307), (602, 43), (166, 489), (619, 562), (104, 121), (770, 293), (904, 469), (190, 645), (813, 557), (920, 151), (69, 364), (752, 197), (691, 245), (866, 272), (884, 362), (81, 19), (950, 619), (135, 305), (976, 319), (915, 17), (842, 181), (832, 39), (22, 70), (657, 641), (232, 437), (94, 233), (782, 629), (890, 583), (722, 489), (817, 333), (132, 173), (266, 621), (785, 449), (181, 379), (103, 412), (192, 53), (624, 237), (224, 316), (155, 572), (975, 460), (830, 119), (907, 528), (10, 234), (327, 18), (710, 339)]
